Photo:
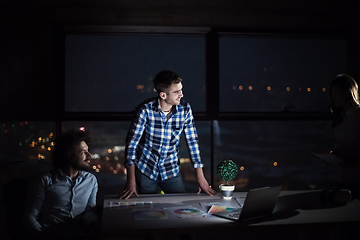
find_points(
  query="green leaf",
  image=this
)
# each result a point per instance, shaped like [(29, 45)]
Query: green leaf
[(227, 170)]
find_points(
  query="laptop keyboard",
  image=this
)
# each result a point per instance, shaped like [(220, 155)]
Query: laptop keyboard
[(234, 215)]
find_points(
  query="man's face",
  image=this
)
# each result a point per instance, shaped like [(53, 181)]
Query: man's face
[(82, 157), (174, 94)]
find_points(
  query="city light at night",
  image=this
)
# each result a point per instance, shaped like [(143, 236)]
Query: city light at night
[(287, 89)]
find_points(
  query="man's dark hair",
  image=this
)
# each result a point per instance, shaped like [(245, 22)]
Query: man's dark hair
[(164, 79), (65, 145)]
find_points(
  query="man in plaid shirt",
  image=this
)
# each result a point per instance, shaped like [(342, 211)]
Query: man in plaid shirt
[(152, 143)]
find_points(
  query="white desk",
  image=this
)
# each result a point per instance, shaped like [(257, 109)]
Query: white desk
[(294, 209)]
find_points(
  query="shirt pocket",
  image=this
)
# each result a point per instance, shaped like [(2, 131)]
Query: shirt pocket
[(175, 134), (58, 193)]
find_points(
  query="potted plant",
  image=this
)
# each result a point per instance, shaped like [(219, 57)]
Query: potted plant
[(227, 171)]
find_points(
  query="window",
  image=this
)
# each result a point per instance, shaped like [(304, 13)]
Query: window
[(277, 74), (26, 147), (275, 152), (108, 74), (112, 73)]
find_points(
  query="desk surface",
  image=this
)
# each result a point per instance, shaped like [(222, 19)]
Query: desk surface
[(294, 208)]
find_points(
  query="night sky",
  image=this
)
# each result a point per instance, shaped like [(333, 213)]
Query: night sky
[(114, 73)]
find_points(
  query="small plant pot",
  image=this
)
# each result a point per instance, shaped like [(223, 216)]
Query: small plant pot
[(227, 191)]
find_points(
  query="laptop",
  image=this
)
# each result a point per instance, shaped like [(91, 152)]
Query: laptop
[(258, 203)]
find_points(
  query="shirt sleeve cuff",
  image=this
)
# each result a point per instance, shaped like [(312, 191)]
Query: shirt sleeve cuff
[(198, 165), (129, 163)]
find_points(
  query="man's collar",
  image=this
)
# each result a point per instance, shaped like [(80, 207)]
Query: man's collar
[(158, 106), (80, 173)]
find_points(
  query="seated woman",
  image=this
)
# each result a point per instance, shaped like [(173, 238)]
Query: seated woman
[(346, 124)]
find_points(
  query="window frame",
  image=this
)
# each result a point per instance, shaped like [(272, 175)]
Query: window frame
[(212, 74)]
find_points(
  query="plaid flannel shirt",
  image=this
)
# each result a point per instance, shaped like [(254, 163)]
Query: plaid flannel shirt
[(152, 143)]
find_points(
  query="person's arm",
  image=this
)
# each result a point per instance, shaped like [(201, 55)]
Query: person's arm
[(130, 187), (192, 139), (34, 202), (203, 183), (90, 216), (94, 190), (194, 150), (132, 140)]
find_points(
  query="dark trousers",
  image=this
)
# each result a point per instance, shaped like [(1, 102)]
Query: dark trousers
[(146, 185)]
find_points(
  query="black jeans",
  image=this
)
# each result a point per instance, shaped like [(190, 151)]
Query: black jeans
[(146, 185)]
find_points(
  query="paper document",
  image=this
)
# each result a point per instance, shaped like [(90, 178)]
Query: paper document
[(185, 211), (206, 206), (149, 214), (216, 209), (129, 204)]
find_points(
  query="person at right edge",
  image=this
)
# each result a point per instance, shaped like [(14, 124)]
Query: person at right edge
[(345, 109)]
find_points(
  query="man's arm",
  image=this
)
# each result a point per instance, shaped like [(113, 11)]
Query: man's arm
[(34, 202), (203, 183), (132, 141), (192, 142), (94, 191), (130, 187), (90, 216), (191, 137), (134, 135)]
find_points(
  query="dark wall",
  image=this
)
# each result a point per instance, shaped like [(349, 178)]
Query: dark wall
[(30, 56)]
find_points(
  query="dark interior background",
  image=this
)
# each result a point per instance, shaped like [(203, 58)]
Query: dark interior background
[(30, 79), (32, 53)]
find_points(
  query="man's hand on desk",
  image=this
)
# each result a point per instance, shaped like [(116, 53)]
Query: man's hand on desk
[(204, 184), (207, 189), (130, 189)]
